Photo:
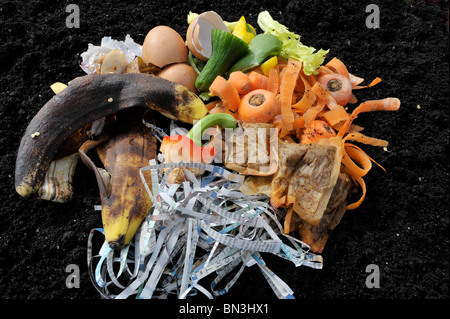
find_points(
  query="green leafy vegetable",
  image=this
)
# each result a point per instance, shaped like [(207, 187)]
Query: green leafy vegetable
[(291, 45), (261, 47)]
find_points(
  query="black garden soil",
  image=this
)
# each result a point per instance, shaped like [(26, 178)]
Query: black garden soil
[(402, 226)]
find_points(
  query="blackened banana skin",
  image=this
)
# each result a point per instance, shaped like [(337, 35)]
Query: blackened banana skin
[(86, 99)]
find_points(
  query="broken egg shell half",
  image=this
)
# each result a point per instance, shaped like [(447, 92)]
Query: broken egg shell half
[(198, 35), (163, 46), (180, 73)]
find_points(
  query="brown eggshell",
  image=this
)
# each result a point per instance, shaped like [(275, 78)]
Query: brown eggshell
[(181, 73), (192, 40), (198, 35), (162, 46)]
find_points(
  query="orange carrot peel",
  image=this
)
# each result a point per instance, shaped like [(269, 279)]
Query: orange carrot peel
[(352, 153), (287, 86), (226, 92)]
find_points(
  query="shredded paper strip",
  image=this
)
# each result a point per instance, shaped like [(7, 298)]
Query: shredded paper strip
[(198, 237)]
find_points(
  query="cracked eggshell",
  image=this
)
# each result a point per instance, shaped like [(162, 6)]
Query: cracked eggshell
[(162, 46), (198, 35)]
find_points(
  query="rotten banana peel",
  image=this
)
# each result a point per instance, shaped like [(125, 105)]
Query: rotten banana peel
[(125, 202), (87, 99)]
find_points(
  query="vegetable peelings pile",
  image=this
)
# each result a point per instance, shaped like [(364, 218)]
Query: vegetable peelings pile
[(261, 154)]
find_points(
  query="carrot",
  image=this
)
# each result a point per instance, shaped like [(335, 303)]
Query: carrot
[(258, 106), (281, 64), (240, 81), (361, 183), (350, 154), (374, 82), (321, 113), (338, 66), (311, 113), (353, 99), (258, 80), (287, 85), (317, 130), (303, 83), (336, 116), (353, 153), (355, 80), (219, 108), (324, 70), (387, 104), (273, 80), (234, 114), (277, 201), (311, 79), (353, 127), (299, 122), (308, 97), (339, 87), (212, 104), (325, 95), (281, 69), (226, 92), (361, 138)]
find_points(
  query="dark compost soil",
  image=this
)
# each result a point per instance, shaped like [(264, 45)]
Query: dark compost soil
[(402, 227)]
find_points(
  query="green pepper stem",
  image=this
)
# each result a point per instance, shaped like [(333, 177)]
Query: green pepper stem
[(224, 120)]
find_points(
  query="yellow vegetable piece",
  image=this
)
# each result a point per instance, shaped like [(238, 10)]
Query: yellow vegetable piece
[(232, 25), (58, 87), (248, 37), (240, 30), (268, 65)]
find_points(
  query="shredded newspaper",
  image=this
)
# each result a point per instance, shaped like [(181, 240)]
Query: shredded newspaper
[(196, 229)]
